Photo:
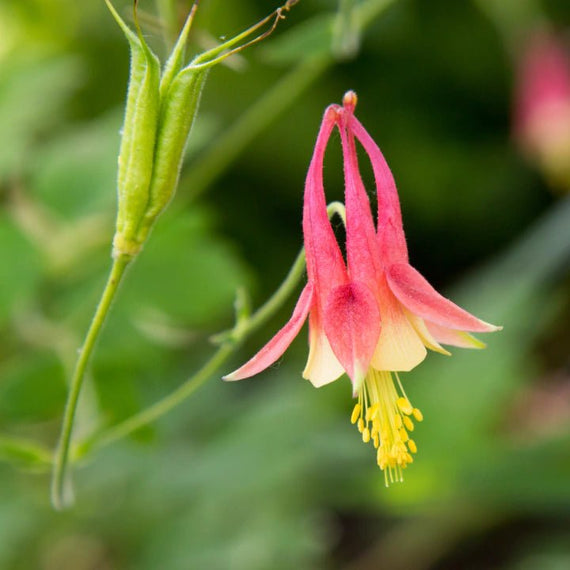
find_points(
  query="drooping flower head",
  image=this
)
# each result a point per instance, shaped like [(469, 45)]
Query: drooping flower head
[(372, 315)]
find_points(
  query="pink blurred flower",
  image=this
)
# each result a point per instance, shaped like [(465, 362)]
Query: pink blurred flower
[(373, 315), (542, 106)]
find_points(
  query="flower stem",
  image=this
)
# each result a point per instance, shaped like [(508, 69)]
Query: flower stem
[(61, 461), (227, 348), (286, 288)]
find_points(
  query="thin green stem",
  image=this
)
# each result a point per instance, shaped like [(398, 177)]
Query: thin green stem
[(272, 305), (61, 461), (286, 288), (227, 348), (159, 408)]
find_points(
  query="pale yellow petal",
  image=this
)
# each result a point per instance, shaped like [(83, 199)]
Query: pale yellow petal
[(400, 347), (322, 366)]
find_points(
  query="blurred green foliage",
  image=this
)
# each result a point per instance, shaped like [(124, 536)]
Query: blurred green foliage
[(269, 473)]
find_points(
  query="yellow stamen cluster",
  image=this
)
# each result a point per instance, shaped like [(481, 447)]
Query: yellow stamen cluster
[(385, 418)]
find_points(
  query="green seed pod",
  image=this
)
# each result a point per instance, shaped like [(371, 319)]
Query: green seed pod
[(178, 110), (159, 115), (180, 91), (138, 140)]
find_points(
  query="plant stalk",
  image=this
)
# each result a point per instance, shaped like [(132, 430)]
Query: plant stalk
[(61, 494)]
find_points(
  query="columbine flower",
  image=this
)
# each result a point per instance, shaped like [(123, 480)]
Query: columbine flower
[(374, 315), (542, 106)]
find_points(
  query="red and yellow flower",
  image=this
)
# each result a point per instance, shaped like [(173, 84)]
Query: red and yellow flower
[(372, 315)]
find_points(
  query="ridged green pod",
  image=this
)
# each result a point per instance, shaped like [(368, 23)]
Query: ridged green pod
[(136, 155), (177, 112), (160, 111)]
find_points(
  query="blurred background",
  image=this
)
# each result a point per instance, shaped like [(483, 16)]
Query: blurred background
[(470, 102)]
